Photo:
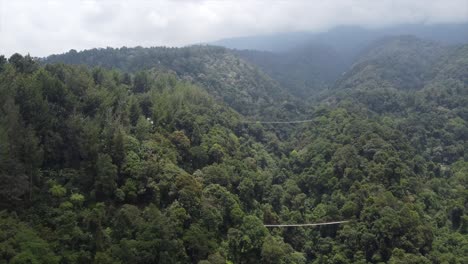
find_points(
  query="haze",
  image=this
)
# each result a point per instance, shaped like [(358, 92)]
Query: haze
[(45, 27)]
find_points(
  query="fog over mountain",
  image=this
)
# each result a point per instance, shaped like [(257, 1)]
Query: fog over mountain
[(342, 140), (45, 27), (346, 38)]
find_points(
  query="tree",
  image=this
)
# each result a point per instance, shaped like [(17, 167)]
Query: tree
[(118, 148), (127, 79), (3, 61), (135, 112), (216, 153), (274, 250), (141, 82), (106, 175), (245, 243), (23, 64), (20, 155), (20, 244), (142, 129), (399, 256), (199, 242)]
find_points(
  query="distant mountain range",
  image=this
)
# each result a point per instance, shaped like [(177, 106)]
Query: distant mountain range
[(306, 63), (222, 73), (347, 38), (263, 70), (163, 155)]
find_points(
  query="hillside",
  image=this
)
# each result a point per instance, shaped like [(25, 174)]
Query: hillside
[(303, 71), (399, 146), (222, 74), (101, 166), (307, 63), (403, 63), (421, 84), (98, 170), (454, 66), (347, 38)]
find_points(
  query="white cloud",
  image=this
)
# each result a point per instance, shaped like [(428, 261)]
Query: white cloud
[(45, 27)]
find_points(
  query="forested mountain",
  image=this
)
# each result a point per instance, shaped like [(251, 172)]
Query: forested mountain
[(347, 38), (224, 75), (97, 169), (403, 62), (303, 71), (306, 63), (144, 164)]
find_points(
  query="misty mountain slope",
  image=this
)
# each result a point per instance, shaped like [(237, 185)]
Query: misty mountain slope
[(396, 74), (102, 166), (279, 42), (303, 71), (431, 111), (449, 87), (348, 38), (404, 63), (454, 66), (224, 75), (305, 63)]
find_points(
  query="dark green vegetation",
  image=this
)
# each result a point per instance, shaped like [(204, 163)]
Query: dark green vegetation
[(225, 76), (303, 71), (308, 63), (144, 165)]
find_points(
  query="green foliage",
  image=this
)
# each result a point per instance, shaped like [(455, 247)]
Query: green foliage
[(106, 174), (274, 250), (403, 62), (218, 71), (305, 70), (108, 167), (22, 64), (57, 191), (77, 199), (21, 244)]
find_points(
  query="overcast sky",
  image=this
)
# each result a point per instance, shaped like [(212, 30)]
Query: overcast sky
[(45, 27)]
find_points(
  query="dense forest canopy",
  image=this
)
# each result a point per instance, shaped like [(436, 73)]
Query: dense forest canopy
[(138, 155), (306, 63), (225, 76), (303, 71)]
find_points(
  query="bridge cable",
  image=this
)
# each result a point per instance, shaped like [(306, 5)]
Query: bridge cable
[(312, 224)]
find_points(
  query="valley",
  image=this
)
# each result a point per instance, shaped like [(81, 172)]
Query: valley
[(154, 155)]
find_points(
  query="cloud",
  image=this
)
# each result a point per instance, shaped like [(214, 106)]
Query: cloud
[(45, 27)]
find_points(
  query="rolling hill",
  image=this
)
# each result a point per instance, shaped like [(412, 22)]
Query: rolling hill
[(224, 75), (304, 71), (140, 156)]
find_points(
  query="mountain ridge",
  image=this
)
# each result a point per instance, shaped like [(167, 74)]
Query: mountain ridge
[(105, 166), (228, 77), (402, 62), (348, 37)]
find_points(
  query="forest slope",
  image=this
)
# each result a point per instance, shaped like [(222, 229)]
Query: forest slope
[(224, 75), (102, 166), (403, 62), (303, 71)]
